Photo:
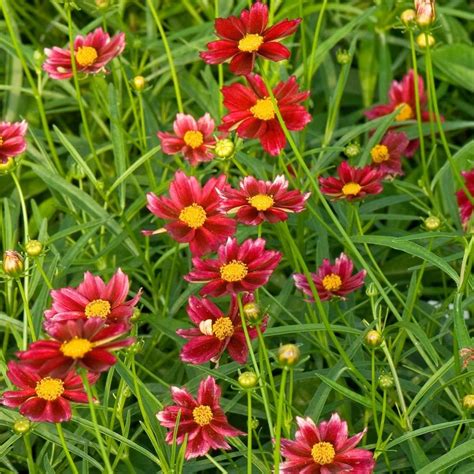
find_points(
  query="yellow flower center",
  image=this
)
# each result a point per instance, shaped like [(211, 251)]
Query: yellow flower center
[(86, 56), (97, 309), (261, 202), (323, 453), (193, 138), (49, 389), (223, 328), (332, 282), (202, 415), (193, 216), (76, 348), (263, 109), (250, 43), (405, 112), (379, 153), (351, 189), (235, 270), (1, 140)]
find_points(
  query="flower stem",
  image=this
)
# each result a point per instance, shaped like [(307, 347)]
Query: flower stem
[(72, 465), (281, 398), (249, 431), (27, 319), (29, 454)]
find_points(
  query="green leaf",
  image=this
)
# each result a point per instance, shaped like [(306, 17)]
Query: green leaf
[(451, 458)]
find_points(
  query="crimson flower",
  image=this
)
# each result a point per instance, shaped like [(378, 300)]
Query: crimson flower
[(92, 52), (465, 205), (201, 419), (238, 268), (353, 183), (257, 201), (244, 38), (12, 140), (94, 298), (194, 140), (325, 449), (252, 115), (42, 397), (193, 212), (332, 280), (386, 155)]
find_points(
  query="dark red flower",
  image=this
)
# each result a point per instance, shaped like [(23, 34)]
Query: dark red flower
[(465, 205), (238, 268), (12, 140), (386, 155), (203, 420), (194, 213), (252, 115), (244, 38)]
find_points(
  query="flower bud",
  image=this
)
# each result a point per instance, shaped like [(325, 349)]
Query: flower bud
[(343, 56), (248, 380), (352, 150), (12, 263), (425, 12), (33, 248), (102, 3), (288, 354), (22, 426), (139, 83), (7, 166), (385, 381), (468, 402), (224, 148), (252, 311), (373, 338), (408, 16), (255, 423), (432, 223), (136, 314), (425, 39), (371, 290)]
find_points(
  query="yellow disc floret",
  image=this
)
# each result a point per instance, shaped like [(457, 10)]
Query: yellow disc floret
[(332, 282), (379, 154), (193, 216), (202, 415), (223, 328), (405, 112), (86, 56), (193, 138), (261, 202), (235, 270), (323, 453), (263, 109), (250, 43), (97, 309), (76, 348), (351, 189), (49, 389)]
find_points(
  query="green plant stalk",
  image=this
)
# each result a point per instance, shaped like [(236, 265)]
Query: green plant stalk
[(314, 46), (29, 453), (72, 465), (249, 432), (281, 399), (27, 317), (267, 368)]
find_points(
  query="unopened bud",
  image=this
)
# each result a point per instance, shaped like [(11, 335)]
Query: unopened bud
[(385, 382), (136, 314), (371, 290), (432, 223), (425, 39), (22, 426), (252, 311), (373, 338), (288, 354), (12, 263), (224, 148), (33, 248), (343, 56), (468, 402), (425, 12), (248, 380), (139, 83), (408, 16), (7, 166), (102, 3), (352, 150)]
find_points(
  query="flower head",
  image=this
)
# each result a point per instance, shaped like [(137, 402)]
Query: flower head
[(332, 280), (194, 140), (425, 12), (202, 419), (12, 140), (243, 39), (193, 213), (237, 268), (91, 52), (465, 205), (386, 155), (252, 114), (325, 448)]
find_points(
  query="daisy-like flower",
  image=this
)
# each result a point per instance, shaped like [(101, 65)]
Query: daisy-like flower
[(465, 205), (194, 140), (215, 332), (94, 298), (12, 140), (91, 52), (42, 397), (237, 268), (332, 280), (202, 419), (386, 155), (252, 115), (193, 213), (353, 183), (325, 448), (257, 201), (85, 343), (244, 38)]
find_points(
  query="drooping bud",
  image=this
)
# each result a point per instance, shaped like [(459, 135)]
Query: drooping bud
[(432, 223), (373, 338), (288, 355), (139, 83), (425, 12), (22, 426), (408, 17), (468, 402), (33, 248), (12, 263), (248, 380), (352, 150), (386, 381), (425, 39), (224, 148)]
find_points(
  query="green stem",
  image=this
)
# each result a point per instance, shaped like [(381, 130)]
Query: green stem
[(314, 46), (29, 454), (281, 399), (249, 431), (72, 465), (27, 319)]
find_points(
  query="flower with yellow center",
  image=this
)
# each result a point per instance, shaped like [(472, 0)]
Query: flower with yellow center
[(223, 328), (86, 56), (405, 112), (202, 415), (76, 348), (261, 202), (379, 154), (193, 216), (235, 270), (193, 138), (323, 453), (263, 109), (49, 389), (250, 43), (332, 282), (351, 189), (97, 309)]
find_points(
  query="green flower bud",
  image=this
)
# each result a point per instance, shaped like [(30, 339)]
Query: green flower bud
[(33, 248), (386, 382), (424, 40), (373, 338), (408, 17), (224, 148), (248, 380), (468, 402), (352, 150), (139, 83), (432, 223), (22, 426), (288, 355), (343, 56)]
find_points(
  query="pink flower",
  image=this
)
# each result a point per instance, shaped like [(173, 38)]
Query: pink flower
[(386, 155), (202, 420), (325, 449), (257, 201), (92, 52), (464, 204), (194, 140), (12, 140)]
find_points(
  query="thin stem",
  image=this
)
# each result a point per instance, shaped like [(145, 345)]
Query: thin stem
[(249, 431), (27, 319), (72, 465), (314, 46), (29, 454), (281, 398)]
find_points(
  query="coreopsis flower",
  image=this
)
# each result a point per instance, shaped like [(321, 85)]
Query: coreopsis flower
[(237, 268), (332, 280), (194, 140), (42, 397), (465, 205), (86, 343), (353, 183), (94, 298), (91, 52), (386, 155), (325, 448), (12, 140), (201, 419), (193, 213), (243, 39), (257, 201), (252, 115)]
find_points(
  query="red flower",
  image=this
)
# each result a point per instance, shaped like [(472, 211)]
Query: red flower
[(251, 111), (386, 156), (238, 268), (93, 298), (82, 342), (353, 183), (332, 280), (324, 449), (203, 420), (194, 140), (465, 205), (244, 38), (92, 53), (12, 140), (257, 200), (194, 213), (42, 397)]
